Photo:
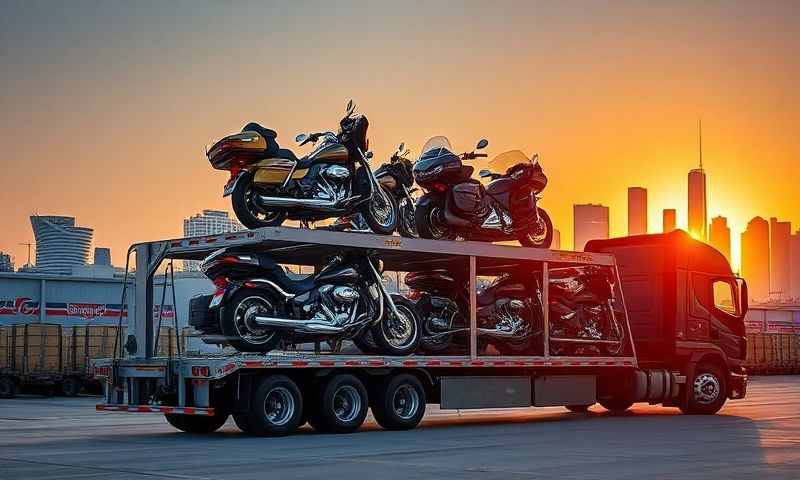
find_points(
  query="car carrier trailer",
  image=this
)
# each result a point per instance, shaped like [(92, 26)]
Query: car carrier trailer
[(274, 393)]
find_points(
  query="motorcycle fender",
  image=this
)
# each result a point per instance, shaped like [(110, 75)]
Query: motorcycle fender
[(428, 198), (232, 182), (386, 181), (222, 296)]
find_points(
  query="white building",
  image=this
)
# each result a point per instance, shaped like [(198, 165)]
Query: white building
[(210, 222), (60, 245)]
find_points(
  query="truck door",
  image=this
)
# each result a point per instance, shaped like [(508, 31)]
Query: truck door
[(716, 313)]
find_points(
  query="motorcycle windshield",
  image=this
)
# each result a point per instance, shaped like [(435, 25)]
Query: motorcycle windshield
[(436, 151), (501, 163), (436, 143)]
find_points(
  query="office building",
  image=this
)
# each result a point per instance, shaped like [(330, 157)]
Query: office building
[(590, 223), (102, 256), (637, 211), (669, 220), (6, 264), (720, 236), (209, 222), (756, 258), (556, 244), (794, 256), (697, 206), (780, 234), (60, 245)]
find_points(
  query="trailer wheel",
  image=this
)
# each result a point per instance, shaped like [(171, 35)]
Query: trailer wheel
[(707, 390), (616, 405), (341, 405), (578, 408), (400, 403), (8, 387), (196, 423), (276, 409), (71, 386)]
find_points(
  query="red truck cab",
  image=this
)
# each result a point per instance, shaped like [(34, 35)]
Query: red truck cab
[(686, 309)]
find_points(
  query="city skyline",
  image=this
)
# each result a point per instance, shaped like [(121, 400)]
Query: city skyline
[(130, 161)]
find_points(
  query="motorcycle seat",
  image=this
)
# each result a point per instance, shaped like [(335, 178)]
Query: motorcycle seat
[(273, 150), (277, 274)]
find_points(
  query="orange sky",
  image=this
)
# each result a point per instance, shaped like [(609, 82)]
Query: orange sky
[(106, 109)]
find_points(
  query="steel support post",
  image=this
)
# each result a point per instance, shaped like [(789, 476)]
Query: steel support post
[(473, 308), (546, 307)]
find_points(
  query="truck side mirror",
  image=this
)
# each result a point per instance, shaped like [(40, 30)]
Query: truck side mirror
[(744, 298)]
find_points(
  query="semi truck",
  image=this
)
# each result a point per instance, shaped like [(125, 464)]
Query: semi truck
[(680, 307)]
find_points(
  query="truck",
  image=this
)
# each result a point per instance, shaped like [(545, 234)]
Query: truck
[(681, 342)]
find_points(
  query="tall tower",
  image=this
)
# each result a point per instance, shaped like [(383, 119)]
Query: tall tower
[(780, 234), (720, 236), (698, 217), (60, 245), (794, 256), (669, 220), (591, 223), (755, 258), (637, 211)]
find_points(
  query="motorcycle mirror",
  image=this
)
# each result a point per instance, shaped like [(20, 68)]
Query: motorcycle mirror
[(301, 138), (483, 143), (485, 173), (401, 147), (535, 158), (368, 155)]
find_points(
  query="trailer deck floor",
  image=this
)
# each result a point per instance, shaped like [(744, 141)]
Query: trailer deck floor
[(758, 437)]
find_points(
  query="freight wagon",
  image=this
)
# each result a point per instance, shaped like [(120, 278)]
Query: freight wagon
[(683, 342)]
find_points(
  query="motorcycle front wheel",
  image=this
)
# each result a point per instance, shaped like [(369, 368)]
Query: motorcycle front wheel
[(398, 335), (406, 224), (430, 221), (381, 212), (246, 209), (539, 234)]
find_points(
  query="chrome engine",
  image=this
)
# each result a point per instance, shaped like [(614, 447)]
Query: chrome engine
[(510, 319), (332, 184), (335, 305)]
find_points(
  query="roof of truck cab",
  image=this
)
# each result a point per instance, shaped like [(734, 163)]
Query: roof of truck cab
[(689, 253)]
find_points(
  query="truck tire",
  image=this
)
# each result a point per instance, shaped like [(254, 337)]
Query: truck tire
[(577, 408), (341, 405), (616, 405), (71, 386), (276, 409), (8, 387), (708, 390), (196, 423), (400, 402)]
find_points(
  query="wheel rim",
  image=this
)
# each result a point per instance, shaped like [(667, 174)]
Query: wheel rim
[(381, 209), (257, 212), (405, 402), (243, 320), (436, 222), (538, 234), (400, 331), (346, 403), (279, 406), (706, 388), (407, 216)]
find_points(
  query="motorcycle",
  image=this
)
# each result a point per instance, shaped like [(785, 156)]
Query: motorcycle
[(257, 306), (458, 206), (269, 184), (509, 318), (582, 316), (394, 177)]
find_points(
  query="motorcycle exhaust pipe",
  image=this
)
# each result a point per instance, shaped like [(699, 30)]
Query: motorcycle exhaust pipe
[(304, 326), (282, 202)]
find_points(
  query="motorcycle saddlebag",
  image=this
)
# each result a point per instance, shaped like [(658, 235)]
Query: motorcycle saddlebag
[(467, 197), (200, 316)]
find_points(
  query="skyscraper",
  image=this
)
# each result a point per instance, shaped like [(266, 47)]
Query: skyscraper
[(102, 256), (210, 222), (669, 220), (698, 216), (60, 245), (779, 270), (720, 236), (6, 264), (556, 245), (637, 211), (591, 222), (755, 258), (794, 266)]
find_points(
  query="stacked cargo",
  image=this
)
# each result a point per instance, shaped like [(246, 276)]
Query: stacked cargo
[(773, 353)]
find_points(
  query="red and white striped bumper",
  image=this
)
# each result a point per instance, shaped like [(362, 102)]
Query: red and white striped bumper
[(106, 407)]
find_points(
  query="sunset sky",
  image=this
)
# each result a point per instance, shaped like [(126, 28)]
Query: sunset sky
[(106, 107)]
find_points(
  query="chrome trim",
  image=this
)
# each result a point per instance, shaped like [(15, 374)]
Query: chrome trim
[(272, 284)]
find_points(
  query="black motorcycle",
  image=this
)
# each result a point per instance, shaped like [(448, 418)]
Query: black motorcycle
[(509, 314), (269, 184), (257, 306), (457, 205), (582, 316)]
